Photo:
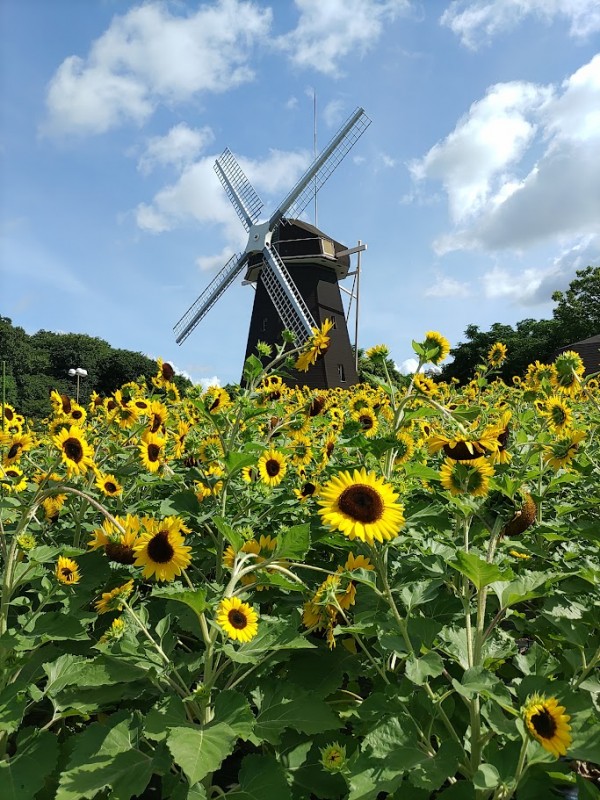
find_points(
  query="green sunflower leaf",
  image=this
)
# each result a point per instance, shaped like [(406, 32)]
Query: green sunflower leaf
[(418, 670), (199, 751), (195, 599), (294, 543), (24, 774), (288, 707), (231, 535), (478, 571), (107, 755), (261, 777)]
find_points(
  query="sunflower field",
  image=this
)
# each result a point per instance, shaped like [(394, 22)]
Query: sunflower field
[(294, 594)]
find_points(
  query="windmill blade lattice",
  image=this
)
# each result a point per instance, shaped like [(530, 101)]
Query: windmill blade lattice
[(209, 296), (323, 166), (286, 298), (244, 199)]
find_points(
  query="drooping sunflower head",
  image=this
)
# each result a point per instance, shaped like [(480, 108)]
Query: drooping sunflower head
[(562, 451), (117, 540), (405, 447), (160, 549), (547, 723), (113, 599), (357, 562), (237, 619), (67, 571), (378, 351), (362, 506), (272, 467), (425, 385), (466, 477), (436, 345)]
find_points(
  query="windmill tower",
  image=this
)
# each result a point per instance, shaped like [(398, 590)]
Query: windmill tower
[(293, 264)]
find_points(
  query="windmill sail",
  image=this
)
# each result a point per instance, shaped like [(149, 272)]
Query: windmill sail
[(209, 297), (286, 298), (244, 199), (322, 167)]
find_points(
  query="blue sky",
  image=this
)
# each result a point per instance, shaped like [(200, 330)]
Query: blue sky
[(476, 188)]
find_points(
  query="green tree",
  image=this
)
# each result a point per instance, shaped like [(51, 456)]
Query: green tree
[(577, 311)]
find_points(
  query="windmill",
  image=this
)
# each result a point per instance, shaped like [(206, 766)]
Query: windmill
[(294, 265)]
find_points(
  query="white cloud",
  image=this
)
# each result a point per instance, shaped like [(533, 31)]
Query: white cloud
[(329, 31), (485, 143), (207, 382), (521, 169), (197, 195), (291, 103), (179, 147), (526, 287), (218, 261), (387, 160), (408, 366), (478, 21), (333, 113), (149, 56), (447, 287)]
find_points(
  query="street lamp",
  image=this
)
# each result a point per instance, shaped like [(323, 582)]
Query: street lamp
[(78, 373)]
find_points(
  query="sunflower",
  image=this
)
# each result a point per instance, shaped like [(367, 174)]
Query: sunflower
[(361, 506), (306, 491), (357, 562), (237, 619), (497, 354), (157, 416), (561, 452), (558, 413), (52, 506), (15, 446), (76, 453), (77, 414), (113, 600), (249, 474), (183, 428), (118, 545), (425, 385), (160, 549), (272, 467), (404, 448), (333, 757), (16, 481), (368, 421), (322, 611), (210, 449), (437, 346), (547, 722), (317, 345), (464, 447), (466, 477), (67, 571), (152, 450), (109, 485), (165, 373), (216, 399), (378, 351), (115, 630)]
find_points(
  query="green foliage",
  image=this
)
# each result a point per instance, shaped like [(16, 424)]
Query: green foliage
[(38, 363), (575, 317)]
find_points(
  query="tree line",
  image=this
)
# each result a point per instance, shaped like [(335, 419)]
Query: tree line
[(576, 316), (35, 364)]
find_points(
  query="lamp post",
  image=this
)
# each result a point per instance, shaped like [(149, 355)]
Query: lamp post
[(78, 373)]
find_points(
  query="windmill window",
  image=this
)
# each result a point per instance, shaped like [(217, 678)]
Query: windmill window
[(341, 373)]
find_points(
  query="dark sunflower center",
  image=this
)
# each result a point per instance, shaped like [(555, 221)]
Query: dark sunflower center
[(111, 405), (77, 414), (8, 414), (67, 573), (366, 421), (544, 724), (167, 372), (66, 404), (558, 415), (110, 487), (215, 404), (160, 548), (237, 619), (153, 452), (273, 467), (308, 489), (13, 450), (156, 423), (121, 553), (12, 473), (316, 406), (329, 448), (73, 449), (362, 503)]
